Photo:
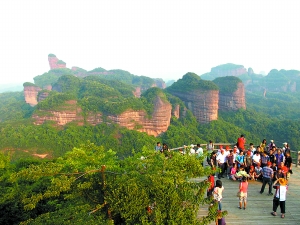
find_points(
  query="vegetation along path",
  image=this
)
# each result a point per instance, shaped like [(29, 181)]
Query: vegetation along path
[(259, 207)]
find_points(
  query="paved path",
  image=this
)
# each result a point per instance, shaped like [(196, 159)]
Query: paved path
[(259, 207)]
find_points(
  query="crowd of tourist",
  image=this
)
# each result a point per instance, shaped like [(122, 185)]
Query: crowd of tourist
[(266, 163)]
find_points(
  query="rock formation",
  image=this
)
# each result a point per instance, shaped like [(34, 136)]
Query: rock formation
[(139, 120), (203, 104), (228, 70), (42, 95), (55, 63), (157, 124), (199, 96), (233, 101), (30, 94), (176, 111), (137, 92)]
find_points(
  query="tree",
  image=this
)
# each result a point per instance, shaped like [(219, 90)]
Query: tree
[(147, 188)]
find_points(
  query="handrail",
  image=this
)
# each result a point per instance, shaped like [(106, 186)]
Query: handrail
[(297, 156)]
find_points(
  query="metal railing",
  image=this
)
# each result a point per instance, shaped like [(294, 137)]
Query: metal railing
[(294, 154)]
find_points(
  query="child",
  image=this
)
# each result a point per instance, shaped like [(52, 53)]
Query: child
[(252, 173), (233, 172)]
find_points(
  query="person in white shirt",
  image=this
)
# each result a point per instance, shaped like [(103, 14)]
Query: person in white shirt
[(192, 150), (256, 158), (199, 150), (221, 163)]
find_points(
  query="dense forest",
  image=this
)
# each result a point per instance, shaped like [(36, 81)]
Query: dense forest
[(107, 174)]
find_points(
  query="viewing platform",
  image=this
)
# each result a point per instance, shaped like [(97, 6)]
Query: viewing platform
[(259, 206)]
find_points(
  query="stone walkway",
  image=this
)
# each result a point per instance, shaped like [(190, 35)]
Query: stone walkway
[(259, 206)]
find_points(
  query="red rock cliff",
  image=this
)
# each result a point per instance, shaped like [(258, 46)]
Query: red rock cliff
[(233, 101), (203, 104), (55, 63), (139, 120), (157, 124), (30, 94)]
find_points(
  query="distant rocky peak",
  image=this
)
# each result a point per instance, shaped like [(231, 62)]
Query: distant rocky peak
[(55, 63)]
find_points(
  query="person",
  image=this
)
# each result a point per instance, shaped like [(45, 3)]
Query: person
[(286, 148), (284, 169), (241, 141), (192, 150), (212, 160), (220, 220), (221, 163), (280, 196), (256, 159), (252, 173), (217, 193), (199, 150), (264, 159), (210, 189), (267, 174), (210, 147), (243, 188), (288, 164), (279, 174), (233, 172), (240, 159), (271, 155), (279, 157), (271, 145), (242, 173), (158, 147), (251, 148), (258, 172), (275, 171), (248, 161), (263, 145), (230, 163), (165, 149)]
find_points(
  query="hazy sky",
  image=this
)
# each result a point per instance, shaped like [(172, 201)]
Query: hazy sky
[(159, 39)]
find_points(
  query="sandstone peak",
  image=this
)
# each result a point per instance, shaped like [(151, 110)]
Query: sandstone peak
[(55, 63)]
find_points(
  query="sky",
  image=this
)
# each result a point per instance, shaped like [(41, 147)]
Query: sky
[(159, 39)]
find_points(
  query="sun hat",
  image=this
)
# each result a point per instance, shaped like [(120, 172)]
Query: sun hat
[(282, 181)]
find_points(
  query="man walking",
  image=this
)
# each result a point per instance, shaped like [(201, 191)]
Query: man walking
[(267, 173)]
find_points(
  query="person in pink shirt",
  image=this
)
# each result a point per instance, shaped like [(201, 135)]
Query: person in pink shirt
[(243, 188), (233, 172)]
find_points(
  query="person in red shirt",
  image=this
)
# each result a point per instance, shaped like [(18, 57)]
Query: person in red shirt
[(241, 141), (210, 189), (284, 169)]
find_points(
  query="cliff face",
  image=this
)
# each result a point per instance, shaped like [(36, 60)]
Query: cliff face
[(137, 92), (176, 111), (203, 104), (30, 94), (54, 63), (233, 101), (158, 123), (43, 95)]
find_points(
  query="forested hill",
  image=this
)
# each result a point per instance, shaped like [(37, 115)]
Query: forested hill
[(73, 105), (81, 150)]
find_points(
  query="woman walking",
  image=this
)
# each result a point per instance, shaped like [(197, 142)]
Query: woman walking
[(280, 196), (243, 189)]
